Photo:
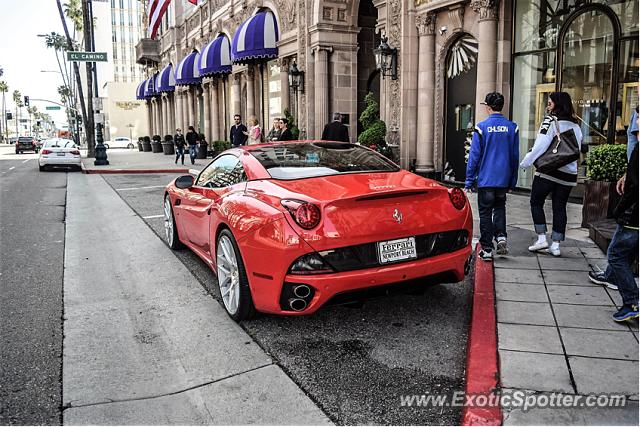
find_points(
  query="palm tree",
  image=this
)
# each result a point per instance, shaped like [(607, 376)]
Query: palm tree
[(4, 88), (17, 99), (73, 10)]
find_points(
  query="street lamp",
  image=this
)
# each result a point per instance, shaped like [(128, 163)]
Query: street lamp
[(386, 59), (296, 78)]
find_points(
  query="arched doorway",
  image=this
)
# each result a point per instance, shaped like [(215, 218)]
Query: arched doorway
[(459, 113), (586, 52), (368, 75)]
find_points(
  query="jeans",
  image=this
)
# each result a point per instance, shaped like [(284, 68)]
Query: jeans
[(179, 154), (541, 188), (193, 152), (621, 255), (492, 211)]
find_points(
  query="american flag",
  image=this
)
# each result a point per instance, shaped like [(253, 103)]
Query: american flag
[(193, 2), (155, 11)]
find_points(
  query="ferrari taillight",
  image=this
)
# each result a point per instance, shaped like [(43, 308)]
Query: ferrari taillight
[(458, 199), (305, 214), (47, 151)]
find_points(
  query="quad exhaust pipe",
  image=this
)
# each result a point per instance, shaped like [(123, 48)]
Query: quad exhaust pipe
[(297, 304)]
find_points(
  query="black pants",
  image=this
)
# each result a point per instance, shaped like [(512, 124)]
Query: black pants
[(493, 218), (541, 188)]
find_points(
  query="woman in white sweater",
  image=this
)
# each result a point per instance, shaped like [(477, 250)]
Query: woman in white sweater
[(557, 183)]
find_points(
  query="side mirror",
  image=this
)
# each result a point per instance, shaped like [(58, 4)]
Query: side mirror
[(184, 182)]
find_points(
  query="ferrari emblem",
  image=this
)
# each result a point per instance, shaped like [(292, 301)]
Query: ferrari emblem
[(397, 215)]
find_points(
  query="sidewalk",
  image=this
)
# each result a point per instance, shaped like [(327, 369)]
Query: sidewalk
[(144, 344), (134, 161), (555, 332)]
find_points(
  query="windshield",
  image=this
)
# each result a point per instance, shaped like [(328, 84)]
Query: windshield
[(308, 160), (59, 143)]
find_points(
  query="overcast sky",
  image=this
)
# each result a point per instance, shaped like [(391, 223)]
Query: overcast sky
[(23, 54)]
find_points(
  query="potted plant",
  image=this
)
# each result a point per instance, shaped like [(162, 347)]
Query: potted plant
[(219, 146), (202, 148), (146, 144), (156, 145), (140, 139), (605, 165), (167, 145), (293, 127), (375, 130)]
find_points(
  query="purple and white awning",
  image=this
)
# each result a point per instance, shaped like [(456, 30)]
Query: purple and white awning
[(140, 90), (150, 87), (187, 72), (216, 57), (166, 80), (255, 39)]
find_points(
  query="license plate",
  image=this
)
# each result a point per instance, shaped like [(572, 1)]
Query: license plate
[(397, 250), (60, 154)]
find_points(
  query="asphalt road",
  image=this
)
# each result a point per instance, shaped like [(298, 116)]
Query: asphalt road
[(32, 212), (355, 363)]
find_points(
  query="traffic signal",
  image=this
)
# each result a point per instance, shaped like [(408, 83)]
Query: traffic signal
[(26, 101), (9, 116)]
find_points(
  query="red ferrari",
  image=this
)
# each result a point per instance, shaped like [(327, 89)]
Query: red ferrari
[(288, 226)]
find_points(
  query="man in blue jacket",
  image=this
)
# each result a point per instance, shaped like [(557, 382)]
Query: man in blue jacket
[(493, 168)]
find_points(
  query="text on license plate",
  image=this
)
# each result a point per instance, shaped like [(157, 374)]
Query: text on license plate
[(60, 153), (397, 250)]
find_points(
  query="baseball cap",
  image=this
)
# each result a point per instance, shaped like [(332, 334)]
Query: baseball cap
[(494, 100)]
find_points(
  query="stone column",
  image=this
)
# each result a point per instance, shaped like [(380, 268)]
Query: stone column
[(215, 111), (154, 117), (251, 96), (158, 129), (206, 86), (177, 96), (172, 113), (185, 110), (321, 77), (487, 51), (426, 91), (149, 117), (190, 111), (409, 89), (235, 95), (165, 115), (284, 87)]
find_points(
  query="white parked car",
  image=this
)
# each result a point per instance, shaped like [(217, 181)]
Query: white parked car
[(119, 142), (59, 152)]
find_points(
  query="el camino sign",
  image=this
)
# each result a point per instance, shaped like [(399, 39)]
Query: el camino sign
[(87, 56)]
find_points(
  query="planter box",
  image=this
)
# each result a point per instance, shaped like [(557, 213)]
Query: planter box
[(156, 147), (167, 148), (600, 199), (146, 146)]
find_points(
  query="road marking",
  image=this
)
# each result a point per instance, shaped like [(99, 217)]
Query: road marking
[(12, 168), (26, 161), (140, 188), (152, 216)]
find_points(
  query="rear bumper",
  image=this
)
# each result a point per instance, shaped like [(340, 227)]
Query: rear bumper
[(59, 161), (326, 286)]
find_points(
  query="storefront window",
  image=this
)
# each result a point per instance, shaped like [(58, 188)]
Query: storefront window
[(627, 87), (627, 11), (538, 24), (533, 80)]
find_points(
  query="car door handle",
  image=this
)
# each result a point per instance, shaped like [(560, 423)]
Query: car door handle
[(209, 211), (177, 202)]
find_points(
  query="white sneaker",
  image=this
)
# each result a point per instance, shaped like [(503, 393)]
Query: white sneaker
[(502, 246), (538, 246), (553, 251)]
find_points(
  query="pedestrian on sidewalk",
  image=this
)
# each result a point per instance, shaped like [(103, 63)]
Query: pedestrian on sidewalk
[(335, 131), (193, 139), (180, 143), (255, 132), (493, 169), (623, 249), (559, 183), (285, 133), (238, 133), (632, 133), (274, 133)]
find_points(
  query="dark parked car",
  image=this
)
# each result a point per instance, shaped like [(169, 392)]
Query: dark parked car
[(26, 143)]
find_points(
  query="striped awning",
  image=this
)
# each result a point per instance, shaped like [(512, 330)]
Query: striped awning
[(187, 72), (166, 80), (150, 87), (140, 90), (216, 57), (256, 39)]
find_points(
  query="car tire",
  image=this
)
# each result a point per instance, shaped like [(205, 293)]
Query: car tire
[(106, 146), (130, 146), (42, 168), (233, 283), (170, 229)]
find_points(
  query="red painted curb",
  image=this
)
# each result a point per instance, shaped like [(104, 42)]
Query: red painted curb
[(133, 171), (482, 352)]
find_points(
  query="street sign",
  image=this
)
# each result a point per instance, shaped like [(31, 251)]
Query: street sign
[(87, 56), (97, 104), (98, 118), (52, 107)]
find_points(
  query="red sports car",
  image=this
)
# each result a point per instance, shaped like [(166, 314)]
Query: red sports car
[(288, 226)]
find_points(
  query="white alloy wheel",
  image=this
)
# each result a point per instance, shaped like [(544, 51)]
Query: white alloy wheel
[(170, 225), (228, 275), (130, 146)]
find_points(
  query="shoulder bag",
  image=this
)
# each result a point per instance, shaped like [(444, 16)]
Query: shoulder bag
[(563, 150)]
